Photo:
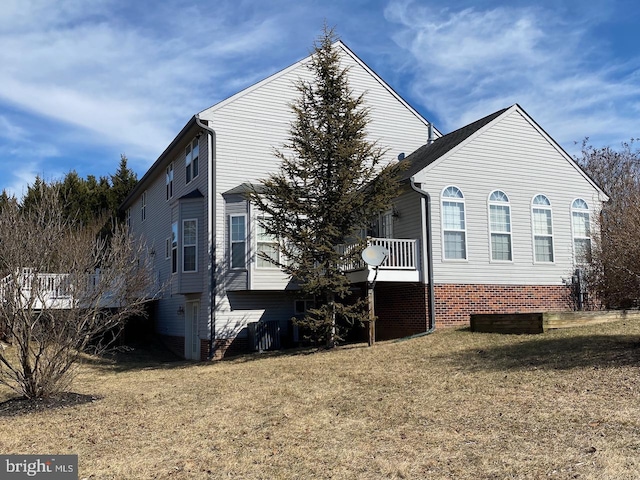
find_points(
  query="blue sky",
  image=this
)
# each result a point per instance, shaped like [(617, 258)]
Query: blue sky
[(83, 81)]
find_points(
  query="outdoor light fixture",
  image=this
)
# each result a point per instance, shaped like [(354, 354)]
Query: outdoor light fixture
[(180, 310)]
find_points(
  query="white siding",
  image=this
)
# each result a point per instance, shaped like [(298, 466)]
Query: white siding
[(250, 125), (512, 156)]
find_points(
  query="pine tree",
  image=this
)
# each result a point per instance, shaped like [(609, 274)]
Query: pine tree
[(122, 182), (331, 184)]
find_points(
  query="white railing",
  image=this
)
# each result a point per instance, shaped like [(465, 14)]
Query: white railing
[(403, 254), (50, 290)]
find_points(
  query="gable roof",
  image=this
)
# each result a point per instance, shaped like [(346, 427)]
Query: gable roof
[(346, 50), (443, 146), (429, 153)]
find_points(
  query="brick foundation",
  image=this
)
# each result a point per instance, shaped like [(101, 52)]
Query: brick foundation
[(402, 309), (228, 347), (455, 303)]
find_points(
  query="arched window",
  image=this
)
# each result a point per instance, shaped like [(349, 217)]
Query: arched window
[(542, 221), (581, 231), (500, 226), (454, 233)]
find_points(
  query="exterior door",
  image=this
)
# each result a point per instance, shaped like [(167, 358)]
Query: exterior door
[(191, 337)]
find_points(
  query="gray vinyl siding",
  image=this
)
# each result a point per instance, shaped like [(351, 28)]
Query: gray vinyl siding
[(243, 307), (407, 223), (514, 157), (250, 125), (193, 282), (235, 278)]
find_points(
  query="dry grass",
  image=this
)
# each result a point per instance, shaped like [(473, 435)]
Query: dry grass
[(451, 405)]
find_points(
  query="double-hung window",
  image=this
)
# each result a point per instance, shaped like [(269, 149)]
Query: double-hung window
[(169, 180), (191, 160), (500, 226), (143, 209), (454, 232), (174, 247), (266, 247), (238, 240), (581, 231), (190, 245), (542, 229)]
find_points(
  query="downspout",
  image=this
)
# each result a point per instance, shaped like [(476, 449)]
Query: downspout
[(427, 235), (213, 265)]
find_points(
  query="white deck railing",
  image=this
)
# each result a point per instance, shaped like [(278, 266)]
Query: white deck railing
[(52, 290), (403, 254)]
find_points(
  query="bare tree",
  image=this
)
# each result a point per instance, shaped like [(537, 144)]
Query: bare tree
[(64, 291), (614, 272)]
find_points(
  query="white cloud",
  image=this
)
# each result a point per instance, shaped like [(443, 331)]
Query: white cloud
[(468, 63)]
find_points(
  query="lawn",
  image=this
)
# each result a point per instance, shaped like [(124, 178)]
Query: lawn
[(455, 404)]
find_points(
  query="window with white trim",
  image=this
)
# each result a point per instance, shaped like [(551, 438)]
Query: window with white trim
[(266, 246), (454, 233), (143, 208), (167, 248), (500, 226), (238, 241), (174, 247), (581, 231), (542, 229), (190, 245), (128, 217), (169, 180), (191, 160)]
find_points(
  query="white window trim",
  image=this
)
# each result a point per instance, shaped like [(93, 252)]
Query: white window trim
[(167, 248), (274, 241), (491, 203), (169, 175), (128, 217), (188, 161), (231, 241), (143, 207), (184, 245), (534, 234), (175, 248), (573, 232), (442, 229)]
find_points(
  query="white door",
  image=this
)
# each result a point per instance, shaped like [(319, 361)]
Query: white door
[(191, 337)]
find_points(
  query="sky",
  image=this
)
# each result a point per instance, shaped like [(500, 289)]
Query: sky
[(82, 82)]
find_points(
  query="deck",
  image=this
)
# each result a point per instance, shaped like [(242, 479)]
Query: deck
[(402, 264)]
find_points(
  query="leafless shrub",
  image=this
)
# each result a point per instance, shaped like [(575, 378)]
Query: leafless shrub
[(614, 272), (64, 290)]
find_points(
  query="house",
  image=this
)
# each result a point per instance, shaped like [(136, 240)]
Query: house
[(201, 233), (509, 215), (491, 219)]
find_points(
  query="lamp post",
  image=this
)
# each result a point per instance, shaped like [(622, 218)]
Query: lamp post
[(374, 256)]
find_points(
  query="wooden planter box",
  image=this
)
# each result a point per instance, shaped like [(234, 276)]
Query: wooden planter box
[(540, 322)]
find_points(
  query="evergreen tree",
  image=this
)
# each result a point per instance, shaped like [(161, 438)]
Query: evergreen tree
[(330, 186), (122, 182)]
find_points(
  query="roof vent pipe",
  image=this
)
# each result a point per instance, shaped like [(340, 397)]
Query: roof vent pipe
[(430, 139)]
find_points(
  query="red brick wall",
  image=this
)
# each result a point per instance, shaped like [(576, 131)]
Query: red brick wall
[(402, 309), (229, 347), (224, 347), (454, 303)]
